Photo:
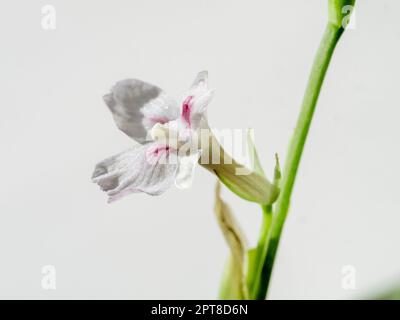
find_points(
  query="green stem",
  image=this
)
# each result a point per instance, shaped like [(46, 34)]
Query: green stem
[(266, 224), (330, 39), (256, 264)]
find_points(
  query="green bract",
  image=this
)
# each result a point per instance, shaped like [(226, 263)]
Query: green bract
[(249, 184)]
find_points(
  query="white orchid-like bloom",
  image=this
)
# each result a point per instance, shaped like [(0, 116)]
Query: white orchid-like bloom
[(167, 133)]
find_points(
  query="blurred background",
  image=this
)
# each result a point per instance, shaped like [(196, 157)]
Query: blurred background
[(54, 127)]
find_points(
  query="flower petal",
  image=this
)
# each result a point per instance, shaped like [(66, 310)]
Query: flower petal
[(149, 168), (200, 83), (137, 106), (186, 168), (196, 101)]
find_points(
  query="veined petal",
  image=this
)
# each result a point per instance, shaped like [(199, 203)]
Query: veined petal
[(149, 168), (137, 106), (186, 168), (199, 108)]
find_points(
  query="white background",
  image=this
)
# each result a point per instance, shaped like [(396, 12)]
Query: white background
[(54, 127)]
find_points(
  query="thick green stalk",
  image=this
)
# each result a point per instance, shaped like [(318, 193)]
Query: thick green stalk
[(330, 39)]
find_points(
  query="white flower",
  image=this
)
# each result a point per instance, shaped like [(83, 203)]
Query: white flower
[(163, 128)]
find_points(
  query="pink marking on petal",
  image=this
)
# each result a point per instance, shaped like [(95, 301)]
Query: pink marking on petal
[(159, 152), (161, 120), (186, 110)]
